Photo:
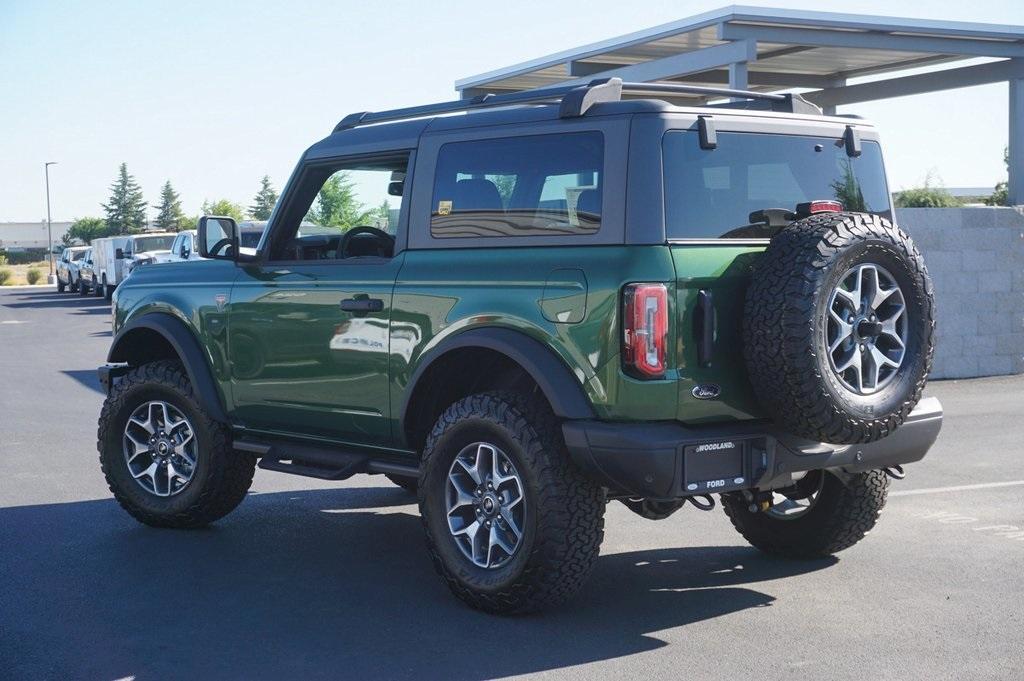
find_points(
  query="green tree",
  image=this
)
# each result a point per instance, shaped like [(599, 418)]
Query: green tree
[(929, 196), (87, 229), (336, 204), (1001, 195), (126, 210), (225, 208), (263, 202), (169, 216)]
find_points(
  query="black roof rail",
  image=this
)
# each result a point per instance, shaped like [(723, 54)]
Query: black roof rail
[(582, 97), (576, 100)]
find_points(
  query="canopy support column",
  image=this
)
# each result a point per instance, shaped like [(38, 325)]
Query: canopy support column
[(1016, 151)]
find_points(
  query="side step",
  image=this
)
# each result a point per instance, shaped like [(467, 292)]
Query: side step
[(326, 463)]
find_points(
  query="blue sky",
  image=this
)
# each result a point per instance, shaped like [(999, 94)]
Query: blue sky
[(212, 95)]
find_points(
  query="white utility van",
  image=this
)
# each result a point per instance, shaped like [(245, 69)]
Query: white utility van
[(114, 257)]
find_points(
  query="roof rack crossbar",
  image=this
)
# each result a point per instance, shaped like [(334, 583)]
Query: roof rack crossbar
[(575, 100), (683, 89)]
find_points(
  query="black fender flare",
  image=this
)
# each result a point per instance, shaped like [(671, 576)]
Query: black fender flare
[(185, 345), (558, 383)]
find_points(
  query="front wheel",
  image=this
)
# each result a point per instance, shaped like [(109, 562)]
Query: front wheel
[(512, 525), (108, 290), (167, 462), (816, 517), (82, 290), (60, 284)]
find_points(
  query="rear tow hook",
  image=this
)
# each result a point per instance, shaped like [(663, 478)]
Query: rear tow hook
[(707, 504), (895, 472)]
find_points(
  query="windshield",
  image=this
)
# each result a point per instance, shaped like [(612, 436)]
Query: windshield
[(152, 243), (711, 193)]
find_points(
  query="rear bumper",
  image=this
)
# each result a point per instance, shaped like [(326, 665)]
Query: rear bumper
[(646, 460)]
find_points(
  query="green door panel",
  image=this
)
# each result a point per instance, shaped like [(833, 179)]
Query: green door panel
[(724, 271), (302, 365)]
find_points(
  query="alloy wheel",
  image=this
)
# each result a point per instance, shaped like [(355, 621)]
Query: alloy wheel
[(160, 448), (485, 505), (866, 330)]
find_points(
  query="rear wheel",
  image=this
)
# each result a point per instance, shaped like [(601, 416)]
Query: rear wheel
[(96, 290), (816, 517), (512, 526), (108, 290), (167, 462)]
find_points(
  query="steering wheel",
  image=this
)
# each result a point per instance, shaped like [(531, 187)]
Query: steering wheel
[(385, 248), (223, 243)]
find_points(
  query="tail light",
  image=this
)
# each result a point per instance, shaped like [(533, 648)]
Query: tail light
[(645, 329)]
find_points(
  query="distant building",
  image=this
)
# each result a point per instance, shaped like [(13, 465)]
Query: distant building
[(21, 236)]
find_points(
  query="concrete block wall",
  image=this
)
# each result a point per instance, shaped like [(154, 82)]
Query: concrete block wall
[(975, 257)]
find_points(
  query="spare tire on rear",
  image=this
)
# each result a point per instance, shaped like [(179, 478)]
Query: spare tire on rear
[(838, 327)]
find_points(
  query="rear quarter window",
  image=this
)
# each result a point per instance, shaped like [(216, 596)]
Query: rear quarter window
[(711, 193), (539, 185)]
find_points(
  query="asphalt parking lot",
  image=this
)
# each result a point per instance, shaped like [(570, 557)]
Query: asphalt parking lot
[(314, 580)]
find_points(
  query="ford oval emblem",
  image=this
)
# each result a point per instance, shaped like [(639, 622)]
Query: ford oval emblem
[(706, 391)]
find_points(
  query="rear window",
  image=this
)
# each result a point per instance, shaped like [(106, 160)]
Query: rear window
[(711, 193), (519, 186)]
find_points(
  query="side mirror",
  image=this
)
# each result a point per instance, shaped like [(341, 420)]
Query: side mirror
[(218, 237), (118, 253)]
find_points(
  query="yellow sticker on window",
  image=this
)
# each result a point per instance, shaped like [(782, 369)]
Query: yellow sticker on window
[(444, 207)]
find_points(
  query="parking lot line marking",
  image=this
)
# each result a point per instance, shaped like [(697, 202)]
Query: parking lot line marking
[(958, 488)]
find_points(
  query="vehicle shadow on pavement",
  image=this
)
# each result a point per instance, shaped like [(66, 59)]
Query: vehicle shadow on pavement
[(312, 584), (86, 377), (49, 299)]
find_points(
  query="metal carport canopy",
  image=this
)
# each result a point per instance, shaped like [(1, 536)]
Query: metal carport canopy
[(769, 49)]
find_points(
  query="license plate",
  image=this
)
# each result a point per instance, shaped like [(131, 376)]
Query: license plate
[(715, 467)]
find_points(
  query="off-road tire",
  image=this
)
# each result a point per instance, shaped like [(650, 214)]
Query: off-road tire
[(844, 512), (408, 484), (565, 524), (785, 311), (222, 476)]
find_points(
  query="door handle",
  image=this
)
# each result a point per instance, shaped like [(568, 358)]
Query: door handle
[(362, 304), (704, 327)]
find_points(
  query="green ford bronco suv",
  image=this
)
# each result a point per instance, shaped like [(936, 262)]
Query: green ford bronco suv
[(558, 298)]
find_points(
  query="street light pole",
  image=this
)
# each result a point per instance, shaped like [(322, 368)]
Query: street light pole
[(49, 229)]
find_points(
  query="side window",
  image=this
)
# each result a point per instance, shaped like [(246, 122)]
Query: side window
[(186, 244), (343, 211), (536, 185), (176, 246)]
